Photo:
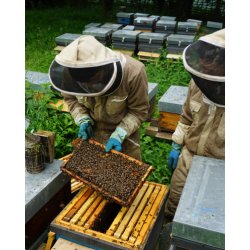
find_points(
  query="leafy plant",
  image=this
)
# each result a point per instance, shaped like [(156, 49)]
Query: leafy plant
[(42, 117)]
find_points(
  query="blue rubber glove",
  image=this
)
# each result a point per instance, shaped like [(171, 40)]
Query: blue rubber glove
[(85, 131), (116, 139), (174, 156)]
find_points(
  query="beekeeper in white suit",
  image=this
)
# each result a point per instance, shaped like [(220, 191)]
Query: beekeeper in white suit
[(201, 129), (106, 92)]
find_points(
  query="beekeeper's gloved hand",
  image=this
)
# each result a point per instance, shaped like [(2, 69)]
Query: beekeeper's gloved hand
[(174, 156), (85, 131), (116, 139)]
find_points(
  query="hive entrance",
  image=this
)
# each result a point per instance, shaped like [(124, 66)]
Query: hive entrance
[(106, 217)]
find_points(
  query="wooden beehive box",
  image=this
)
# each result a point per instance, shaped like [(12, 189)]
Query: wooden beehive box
[(115, 175), (91, 220), (170, 107)]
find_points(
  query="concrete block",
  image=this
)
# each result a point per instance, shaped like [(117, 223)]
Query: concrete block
[(173, 99)]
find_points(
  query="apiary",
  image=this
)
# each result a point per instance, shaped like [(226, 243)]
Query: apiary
[(170, 107), (112, 26), (92, 221), (90, 25), (125, 18), (144, 23), (66, 39), (165, 26), (151, 42), (173, 18), (213, 26), (103, 35), (129, 27), (141, 15), (187, 28), (115, 175), (125, 39), (177, 43)]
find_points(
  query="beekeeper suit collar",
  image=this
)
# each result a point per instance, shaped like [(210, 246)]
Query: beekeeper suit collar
[(205, 61), (87, 68)]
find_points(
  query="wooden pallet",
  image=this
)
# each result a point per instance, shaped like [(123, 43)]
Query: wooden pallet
[(131, 226), (175, 57), (148, 56), (154, 131)]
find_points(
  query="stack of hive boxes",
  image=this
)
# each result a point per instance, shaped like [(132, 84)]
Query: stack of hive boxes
[(65, 39), (125, 40), (213, 26), (170, 107), (165, 26), (152, 42), (187, 28), (103, 35), (112, 26), (125, 18), (177, 43), (146, 24)]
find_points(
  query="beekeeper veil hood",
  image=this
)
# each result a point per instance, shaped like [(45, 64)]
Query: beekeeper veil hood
[(87, 68), (205, 61)]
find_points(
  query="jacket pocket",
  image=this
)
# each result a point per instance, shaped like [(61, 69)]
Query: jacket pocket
[(116, 104), (195, 108)]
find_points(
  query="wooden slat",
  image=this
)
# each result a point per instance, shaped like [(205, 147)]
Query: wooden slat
[(174, 56), (154, 132), (96, 234), (144, 215), (77, 187), (152, 215), (60, 105), (168, 121), (90, 211), (131, 211), (71, 204), (78, 205), (137, 213), (97, 212), (83, 209), (148, 55), (117, 221)]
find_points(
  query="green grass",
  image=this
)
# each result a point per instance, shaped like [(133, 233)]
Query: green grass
[(42, 26)]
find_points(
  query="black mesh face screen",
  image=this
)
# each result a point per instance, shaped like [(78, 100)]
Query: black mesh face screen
[(94, 81), (206, 58), (214, 91)]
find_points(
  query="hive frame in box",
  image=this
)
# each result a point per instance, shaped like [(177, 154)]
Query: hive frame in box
[(105, 193), (134, 227)]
